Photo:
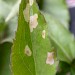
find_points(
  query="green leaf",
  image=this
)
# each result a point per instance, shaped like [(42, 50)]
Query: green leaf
[(62, 39), (5, 50), (21, 64), (33, 61), (73, 67), (2, 25), (58, 9), (72, 71)]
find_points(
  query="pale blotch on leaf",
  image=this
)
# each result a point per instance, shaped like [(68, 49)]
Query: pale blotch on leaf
[(50, 58), (33, 22), (26, 13), (43, 34), (31, 2), (27, 51)]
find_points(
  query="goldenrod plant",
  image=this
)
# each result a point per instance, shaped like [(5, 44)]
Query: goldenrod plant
[(41, 43)]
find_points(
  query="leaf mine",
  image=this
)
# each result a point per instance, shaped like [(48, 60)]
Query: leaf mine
[(43, 34), (33, 22), (28, 51), (26, 13), (50, 58)]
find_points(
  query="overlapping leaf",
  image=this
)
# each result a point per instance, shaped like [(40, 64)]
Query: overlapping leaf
[(5, 50), (62, 39), (58, 9)]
